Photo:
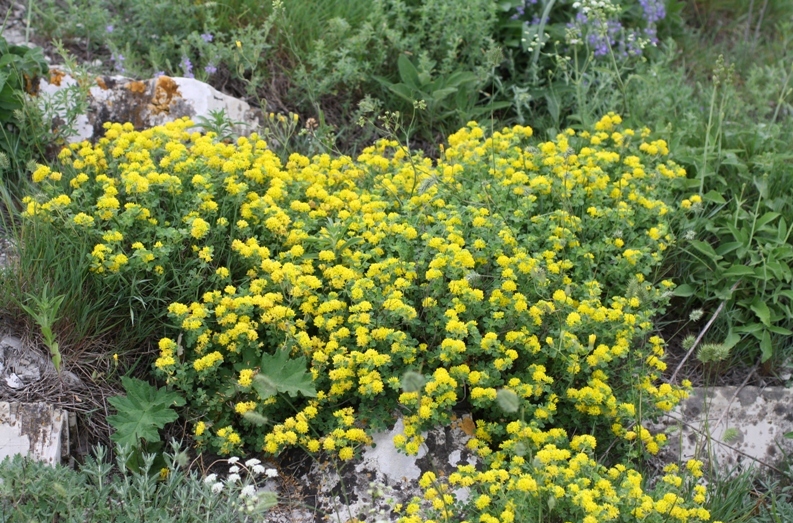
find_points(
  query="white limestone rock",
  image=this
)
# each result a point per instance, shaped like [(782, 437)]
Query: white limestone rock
[(747, 431), (37, 430), (148, 103)]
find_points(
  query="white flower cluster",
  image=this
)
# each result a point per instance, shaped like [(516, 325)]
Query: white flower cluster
[(252, 500), (598, 6)]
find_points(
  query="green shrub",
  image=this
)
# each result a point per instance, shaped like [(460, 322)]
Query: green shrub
[(507, 265), (98, 491), (20, 70)]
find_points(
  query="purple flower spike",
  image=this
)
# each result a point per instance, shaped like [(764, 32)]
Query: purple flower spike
[(187, 67)]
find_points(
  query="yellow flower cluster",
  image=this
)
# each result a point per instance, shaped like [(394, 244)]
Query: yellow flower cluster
[(505, 265)]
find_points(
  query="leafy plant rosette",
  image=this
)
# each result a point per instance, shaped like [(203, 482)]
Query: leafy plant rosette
[(509, 272)]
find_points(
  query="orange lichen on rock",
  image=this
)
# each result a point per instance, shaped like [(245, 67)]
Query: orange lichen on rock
[(56, 75), (165, 90), (100, 82), (137, 87)]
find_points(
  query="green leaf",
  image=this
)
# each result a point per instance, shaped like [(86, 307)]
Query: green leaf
[(412, 381), (781, 233), (705, 249), (766, 350), (508, 400), (408, 72), (766, 218), (739, 271), (715, 197), (279, 373), (142, 412), (728, 247), (761, 310), (731, 340), (684, 291)]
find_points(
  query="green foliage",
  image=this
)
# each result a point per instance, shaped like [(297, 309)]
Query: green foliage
[(284, 375), (44, 311), (98, 491), (438, 101), (20, 69), (142, 412)]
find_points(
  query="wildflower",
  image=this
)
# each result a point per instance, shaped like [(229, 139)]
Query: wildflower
[(187, 67), (207, 37), (210, 478), (248, 491), (217, 487)]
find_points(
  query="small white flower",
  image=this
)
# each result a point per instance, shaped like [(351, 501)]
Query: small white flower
[(210, 479), (248, 491), (252, 462), (217, 487), (233, 478), (258, 469), (234, 469), (232, 460), (271, 473)]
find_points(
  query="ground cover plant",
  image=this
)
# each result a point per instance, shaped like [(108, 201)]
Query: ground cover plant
[(326, 283)]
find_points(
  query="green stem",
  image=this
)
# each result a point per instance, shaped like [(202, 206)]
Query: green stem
[(707, 140), (540, 32)]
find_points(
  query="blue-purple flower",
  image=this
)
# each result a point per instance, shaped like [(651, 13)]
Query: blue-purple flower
[(118, 62), (187, 67)]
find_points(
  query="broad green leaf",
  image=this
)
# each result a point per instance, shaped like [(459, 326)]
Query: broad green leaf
[(508, 400), (728, 247), (684, 291), (766, 350), (408, 72), (412, 381), (776, 329), (715, 197), (761, 310), (781, 230), (405, 92), (766, 218), (142, 412), (705, 249), (739, 271), (750, 328), (731, 340), (279, 373)]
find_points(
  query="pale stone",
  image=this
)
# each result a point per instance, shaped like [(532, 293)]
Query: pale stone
[(36, 430), (369, 487), (148, 103), (749, 431)]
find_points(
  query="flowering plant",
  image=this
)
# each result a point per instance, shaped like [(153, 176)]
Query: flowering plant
[(508, 265)]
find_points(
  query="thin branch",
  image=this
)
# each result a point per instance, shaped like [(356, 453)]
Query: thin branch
[(759, 23)]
